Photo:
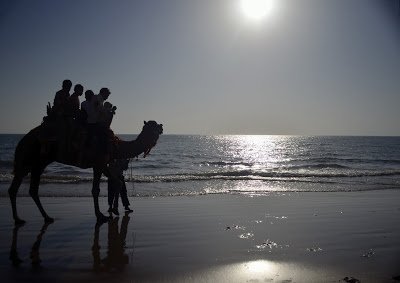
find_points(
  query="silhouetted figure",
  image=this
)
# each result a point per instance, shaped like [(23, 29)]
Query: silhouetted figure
[(73, 101), (107, 114), (99, 99), (116, 258), (72, 129), (117, 186), (88, 119), (29, 160), (61, 98), (102, 128), (87, 106), (105, 110), (60, 109)]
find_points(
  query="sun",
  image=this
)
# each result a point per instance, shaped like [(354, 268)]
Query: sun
[(255, 9)]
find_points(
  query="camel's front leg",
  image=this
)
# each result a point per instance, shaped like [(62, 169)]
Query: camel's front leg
[(34, 193), (16, 182), (97, 172)]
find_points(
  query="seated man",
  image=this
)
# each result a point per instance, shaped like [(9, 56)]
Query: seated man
[(61, 98), (117, 186)]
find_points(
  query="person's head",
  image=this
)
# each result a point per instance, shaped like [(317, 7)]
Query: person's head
[(66, 85), (78, 89), (107, 105), (105, 93), (89, 94)]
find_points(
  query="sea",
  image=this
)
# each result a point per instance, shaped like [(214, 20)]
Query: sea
[(235, 164)]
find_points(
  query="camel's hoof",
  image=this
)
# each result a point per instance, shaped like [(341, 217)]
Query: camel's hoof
[(19, 222), (48, 220)]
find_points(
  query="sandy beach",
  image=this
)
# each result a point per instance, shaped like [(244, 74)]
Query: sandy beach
[(293, 237)]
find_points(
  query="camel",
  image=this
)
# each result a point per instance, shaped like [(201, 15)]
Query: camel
[(31, 158)]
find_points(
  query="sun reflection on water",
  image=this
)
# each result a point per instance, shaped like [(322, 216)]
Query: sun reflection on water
[(256, 151)]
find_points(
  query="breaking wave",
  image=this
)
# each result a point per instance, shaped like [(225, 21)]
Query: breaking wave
[(309, 176)]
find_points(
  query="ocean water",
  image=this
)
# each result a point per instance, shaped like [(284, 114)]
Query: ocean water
[(238, 164)]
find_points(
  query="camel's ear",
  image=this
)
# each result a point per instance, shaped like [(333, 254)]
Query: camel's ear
[(145, 122)]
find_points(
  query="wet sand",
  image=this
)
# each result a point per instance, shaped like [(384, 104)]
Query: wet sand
[(294, 237)]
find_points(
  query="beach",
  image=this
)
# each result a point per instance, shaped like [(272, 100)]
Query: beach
[(256, 140), (278, 237)]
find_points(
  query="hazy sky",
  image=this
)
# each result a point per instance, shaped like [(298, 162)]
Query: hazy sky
[(203, 67)]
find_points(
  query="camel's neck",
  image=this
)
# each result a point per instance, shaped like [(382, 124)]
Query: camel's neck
[(128, 149)]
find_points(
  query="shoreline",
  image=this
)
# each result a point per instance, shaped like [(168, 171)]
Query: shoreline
[(282, 237)]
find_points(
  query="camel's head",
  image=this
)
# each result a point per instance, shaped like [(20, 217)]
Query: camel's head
[(150, 133), (152, 126)]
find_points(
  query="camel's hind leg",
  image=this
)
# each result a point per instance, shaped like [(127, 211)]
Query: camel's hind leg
[(12, 192), (34, 193)]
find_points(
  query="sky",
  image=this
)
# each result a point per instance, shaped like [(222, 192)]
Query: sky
[(305, 67)]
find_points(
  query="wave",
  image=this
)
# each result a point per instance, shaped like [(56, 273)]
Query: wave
[(227, 163), (317, 176), (50, 179), (318, 166), (85, 192), (267, 176)]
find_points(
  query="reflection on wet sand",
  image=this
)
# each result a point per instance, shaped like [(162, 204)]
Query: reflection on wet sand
[(35, 250), (116, 258), (35, 255), (264, 271), (14, 257)]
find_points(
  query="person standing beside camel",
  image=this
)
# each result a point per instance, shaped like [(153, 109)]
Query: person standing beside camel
[(116, 185)]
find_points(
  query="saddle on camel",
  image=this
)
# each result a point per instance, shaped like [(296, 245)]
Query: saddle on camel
[(64, 140)]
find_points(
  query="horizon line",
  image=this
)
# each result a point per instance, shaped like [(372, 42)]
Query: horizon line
[(248, 134)]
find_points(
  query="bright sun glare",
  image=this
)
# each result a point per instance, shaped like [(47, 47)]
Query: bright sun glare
[(255, 9)]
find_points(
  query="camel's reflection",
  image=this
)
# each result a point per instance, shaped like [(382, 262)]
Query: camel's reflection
[(14, 257), (34, 255), (116, 258)]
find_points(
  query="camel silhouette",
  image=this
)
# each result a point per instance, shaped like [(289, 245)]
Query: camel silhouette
[(31, 158)]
